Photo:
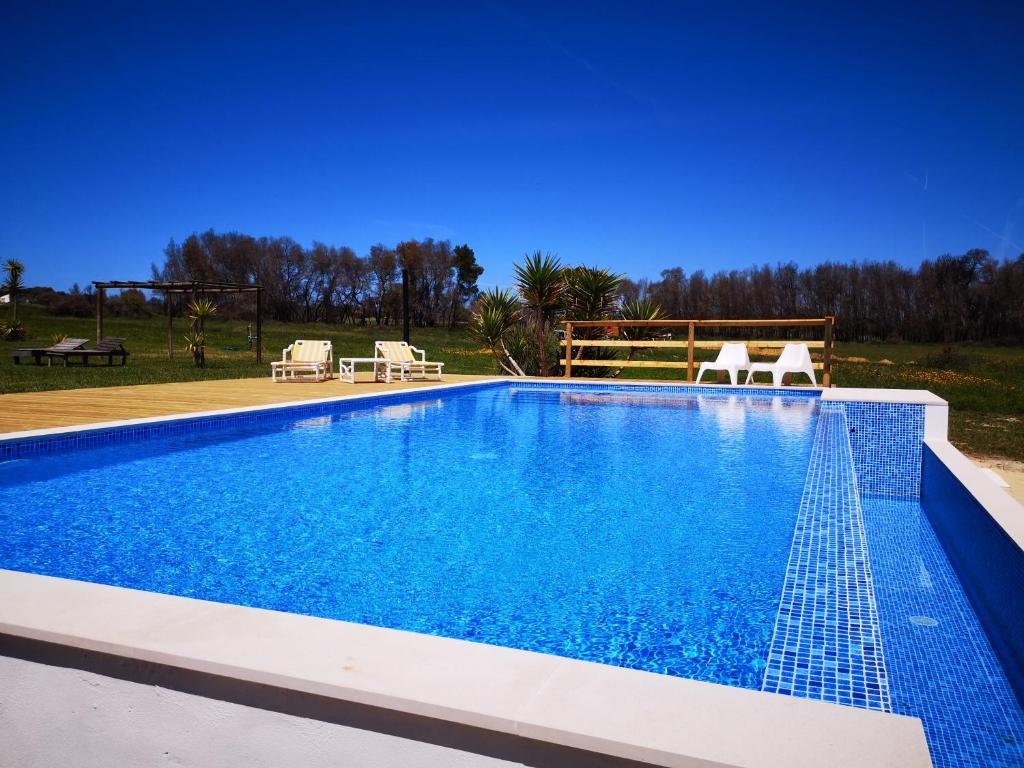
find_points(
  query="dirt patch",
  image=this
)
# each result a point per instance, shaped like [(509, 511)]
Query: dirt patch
[(1011, 471)]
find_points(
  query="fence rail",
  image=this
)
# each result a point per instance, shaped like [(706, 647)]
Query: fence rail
[(614, 327)]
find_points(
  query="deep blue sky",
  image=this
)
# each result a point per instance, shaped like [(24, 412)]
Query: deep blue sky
[(629, 135)]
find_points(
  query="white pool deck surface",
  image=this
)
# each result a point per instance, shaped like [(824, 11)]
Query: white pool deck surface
[(627, 714)]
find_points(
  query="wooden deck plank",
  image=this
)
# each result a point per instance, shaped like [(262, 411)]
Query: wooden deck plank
[(72, 407)]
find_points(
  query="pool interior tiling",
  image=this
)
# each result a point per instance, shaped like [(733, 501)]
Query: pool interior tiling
[(873, 615), (944, 672), (826, 643)]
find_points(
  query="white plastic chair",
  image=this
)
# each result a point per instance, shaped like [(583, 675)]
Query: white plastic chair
[(795, 358), (732, 358)]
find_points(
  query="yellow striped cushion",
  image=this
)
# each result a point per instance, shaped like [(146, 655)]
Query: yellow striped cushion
[(304, 351), (397, 352)]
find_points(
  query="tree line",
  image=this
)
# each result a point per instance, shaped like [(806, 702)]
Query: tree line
[(952, 298), (970, 297), (333, 284)]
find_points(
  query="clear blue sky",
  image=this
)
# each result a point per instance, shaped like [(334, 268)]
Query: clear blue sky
[(636, 136)]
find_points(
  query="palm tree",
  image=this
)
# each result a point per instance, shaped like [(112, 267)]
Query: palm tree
[(590, 293), (14, 285), (540, 284), (497, 314), (640, 309), (195, 340)]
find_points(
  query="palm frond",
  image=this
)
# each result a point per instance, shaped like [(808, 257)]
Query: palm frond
[(642, 309), (590, 293), (539, 280)]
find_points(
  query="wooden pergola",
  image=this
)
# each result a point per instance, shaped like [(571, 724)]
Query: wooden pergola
[(192, 287)]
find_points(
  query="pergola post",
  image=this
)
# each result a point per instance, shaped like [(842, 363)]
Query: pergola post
[(170, 323), (100, 296), (259, 326), (405, 305)]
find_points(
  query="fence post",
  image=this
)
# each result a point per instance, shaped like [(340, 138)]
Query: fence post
[(826, 355), (689, 355), (568, 350)]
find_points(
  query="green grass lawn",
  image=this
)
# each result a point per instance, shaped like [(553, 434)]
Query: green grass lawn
[(227, 354), (983, 384)]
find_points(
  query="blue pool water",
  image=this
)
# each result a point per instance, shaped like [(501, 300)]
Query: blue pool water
[(647, 530), (727, 538)]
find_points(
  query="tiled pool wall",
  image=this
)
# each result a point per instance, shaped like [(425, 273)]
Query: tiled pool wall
[(685, 389), (946, 583), (941, 664), (989, 563), (886, 440), (872, 612)]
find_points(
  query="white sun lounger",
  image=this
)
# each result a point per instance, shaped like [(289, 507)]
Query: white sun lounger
[(305, 357), (795, 358), (400, 358), (732, 358)]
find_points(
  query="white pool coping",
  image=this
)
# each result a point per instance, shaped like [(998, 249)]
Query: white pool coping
[(628, 714), (633, 715), (896, 396)]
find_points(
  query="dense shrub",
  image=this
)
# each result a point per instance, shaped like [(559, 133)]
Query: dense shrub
[(12, 331)]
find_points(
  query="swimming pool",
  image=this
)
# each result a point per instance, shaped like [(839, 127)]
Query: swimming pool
[(647, 530), (687, 531)]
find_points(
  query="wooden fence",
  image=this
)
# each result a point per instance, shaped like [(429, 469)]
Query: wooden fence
[(755, 346)]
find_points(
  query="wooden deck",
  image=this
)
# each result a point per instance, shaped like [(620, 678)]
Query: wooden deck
[(70, 407)]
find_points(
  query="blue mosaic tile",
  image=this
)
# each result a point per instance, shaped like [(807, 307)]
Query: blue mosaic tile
[(681, 388), (988, 562), (886, 440), (941, 665), (826, 644)]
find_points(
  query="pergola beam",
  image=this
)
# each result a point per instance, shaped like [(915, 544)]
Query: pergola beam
[(195, 286)]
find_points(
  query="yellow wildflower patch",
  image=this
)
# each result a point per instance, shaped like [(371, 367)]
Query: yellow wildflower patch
[(934, 377), (465, 352)]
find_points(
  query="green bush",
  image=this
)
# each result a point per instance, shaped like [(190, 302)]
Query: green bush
[(13, 331)]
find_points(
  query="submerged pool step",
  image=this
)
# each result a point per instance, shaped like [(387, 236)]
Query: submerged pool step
[(827, 642)]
